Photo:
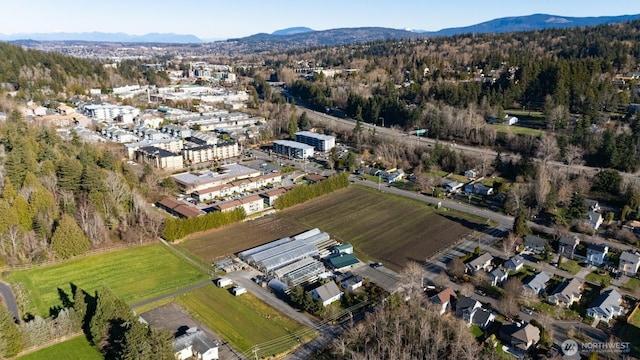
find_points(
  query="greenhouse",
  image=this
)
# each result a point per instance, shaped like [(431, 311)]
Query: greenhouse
[(307, 234), (304, 275), (244, 254), (279, 273), (285, 258)]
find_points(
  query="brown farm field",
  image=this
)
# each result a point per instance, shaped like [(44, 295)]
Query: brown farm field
[(380, 226)]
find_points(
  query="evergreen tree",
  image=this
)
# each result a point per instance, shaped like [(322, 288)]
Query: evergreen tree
[(68, 239), (11, 341), (520, 227), (9, 192)]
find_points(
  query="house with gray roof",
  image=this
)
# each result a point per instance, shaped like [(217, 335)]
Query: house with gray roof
[(606, 306), (466, 308), (498, 276), (566, 293), (483, 318), (515, 263), (327, 293), (567, 246), (629, 263), (534, 243), (195, 344), (536, 283), (481, 262)]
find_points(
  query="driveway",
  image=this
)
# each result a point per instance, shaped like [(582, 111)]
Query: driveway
[(9, 299)]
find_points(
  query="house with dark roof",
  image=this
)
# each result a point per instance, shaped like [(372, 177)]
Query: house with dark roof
[(606, 306), (515, 263), (566, 293), (498, 276), (481, 262), (567, 246), (594, 219), (349, 281), (534, 243), (195, 344), (522, 336), (327, 293), (483, 318), (536, 283), (596, 253), (443, 300), (466, 308)]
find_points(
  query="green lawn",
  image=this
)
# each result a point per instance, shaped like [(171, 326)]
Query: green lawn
[(632, 285), (244, 321), (597, 278), (476, 331), (570, 266), (77, 348), (133, 275), (515, 129)]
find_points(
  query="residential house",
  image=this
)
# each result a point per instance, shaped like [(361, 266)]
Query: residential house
[(442, 301), (472, 174), (480, 262), (478, 189), (594, 219), (536, 283), (534, 243), (452, 186), (629, 263), (195, 344), (522, 336), (349, 281), (327, 293), (498, 276), (567, 246), (596, 253), (515, 263), (483, 318), (566, 293), (593, 205), (606, 306), (342, 261), (466, 308)]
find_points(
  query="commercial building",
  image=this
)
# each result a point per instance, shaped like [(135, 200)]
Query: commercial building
[(320, 142), (200, 180), (293, 149)]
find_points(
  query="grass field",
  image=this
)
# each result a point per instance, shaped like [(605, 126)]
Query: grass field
[(518, 130), (132, 274), (632, 284), (77, 348), (570, 266), (243, 321), (381, 227)]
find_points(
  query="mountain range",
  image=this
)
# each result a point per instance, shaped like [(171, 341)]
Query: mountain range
[(304, 36)]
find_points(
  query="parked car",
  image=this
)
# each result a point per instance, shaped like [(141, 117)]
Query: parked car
[(480, 292), (527, 311)]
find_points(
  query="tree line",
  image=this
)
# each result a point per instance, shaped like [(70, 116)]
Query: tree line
[(176, 228), (302, 193)]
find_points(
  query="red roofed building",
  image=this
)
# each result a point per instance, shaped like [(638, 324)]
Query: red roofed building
[(179, 208)]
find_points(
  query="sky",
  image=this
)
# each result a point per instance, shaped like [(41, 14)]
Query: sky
[(222, 19)]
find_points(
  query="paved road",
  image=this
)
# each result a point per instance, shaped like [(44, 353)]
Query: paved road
[(9, 299), (348, 124)]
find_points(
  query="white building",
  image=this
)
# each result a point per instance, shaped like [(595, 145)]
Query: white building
[(195, 343), (320, 142), (293, 149)]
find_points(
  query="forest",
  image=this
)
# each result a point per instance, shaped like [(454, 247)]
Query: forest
[(581, 82)]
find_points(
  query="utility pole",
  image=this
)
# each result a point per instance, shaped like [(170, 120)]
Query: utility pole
[(255, 352)]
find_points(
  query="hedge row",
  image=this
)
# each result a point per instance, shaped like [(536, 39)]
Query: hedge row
[(175, 228), (302, 193)]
